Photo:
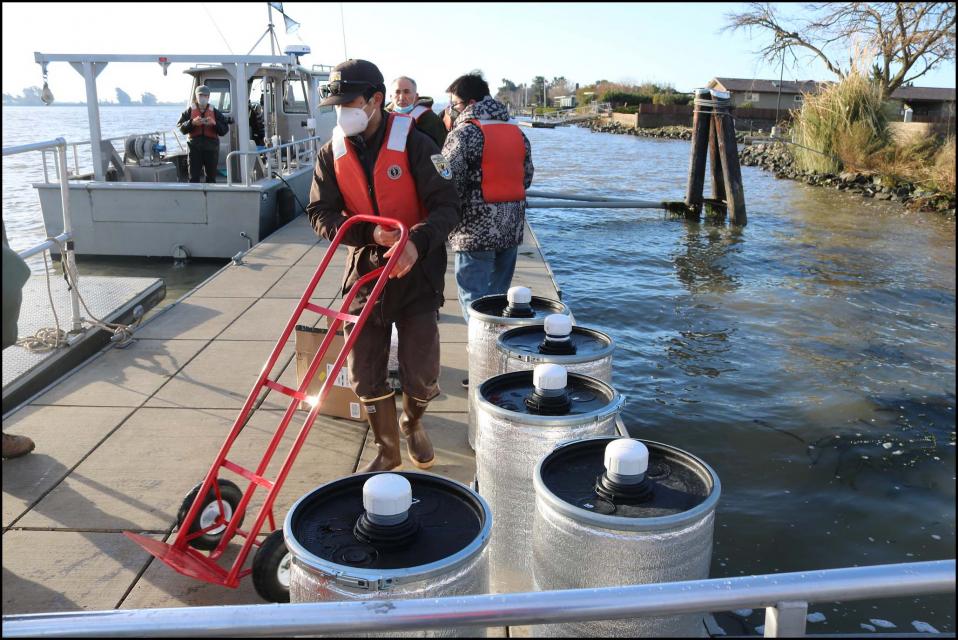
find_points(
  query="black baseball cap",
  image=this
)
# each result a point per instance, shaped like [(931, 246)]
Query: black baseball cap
[(349, 80)]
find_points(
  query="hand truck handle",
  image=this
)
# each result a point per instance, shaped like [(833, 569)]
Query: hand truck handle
[(385, 222)]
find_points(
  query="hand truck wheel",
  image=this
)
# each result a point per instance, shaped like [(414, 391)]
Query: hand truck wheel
[(209, 511), (271, 568)]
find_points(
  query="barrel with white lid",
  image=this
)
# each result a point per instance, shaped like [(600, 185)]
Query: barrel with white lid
[(621, 511), (382, 536), (488, 317), (522, 415), (556, 340)]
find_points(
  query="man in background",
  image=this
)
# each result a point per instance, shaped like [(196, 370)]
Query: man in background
[(204, 124), (405, 99)]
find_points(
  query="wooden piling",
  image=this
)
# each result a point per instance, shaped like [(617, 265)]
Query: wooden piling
[(718, 180), (700, 141), (732, 173)]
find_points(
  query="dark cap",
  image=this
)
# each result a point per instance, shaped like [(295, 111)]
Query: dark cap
[(349, 80)]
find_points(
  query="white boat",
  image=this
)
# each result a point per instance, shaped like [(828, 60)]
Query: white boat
[(143, 205)]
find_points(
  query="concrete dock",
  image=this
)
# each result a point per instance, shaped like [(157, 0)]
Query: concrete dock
[(122, 439)]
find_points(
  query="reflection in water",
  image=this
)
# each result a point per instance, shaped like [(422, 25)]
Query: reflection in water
[(702, 265)]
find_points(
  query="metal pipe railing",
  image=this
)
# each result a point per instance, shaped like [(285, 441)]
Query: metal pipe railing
[(305, 144), (604, 204), (69, 260), (782, 593)]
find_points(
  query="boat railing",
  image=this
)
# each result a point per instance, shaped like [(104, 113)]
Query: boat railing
[(74, 148), (785, 597), (296, 152), (65, 239)]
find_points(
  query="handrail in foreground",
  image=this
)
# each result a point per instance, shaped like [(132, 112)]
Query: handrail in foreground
[(784, 595)]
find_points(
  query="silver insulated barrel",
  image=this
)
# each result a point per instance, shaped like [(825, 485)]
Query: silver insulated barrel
[(488, 317), (382, 536), (578, 349), (619, 511), (522, 416)]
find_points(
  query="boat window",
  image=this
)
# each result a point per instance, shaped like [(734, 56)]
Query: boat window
[(219, 93), (294, 96)]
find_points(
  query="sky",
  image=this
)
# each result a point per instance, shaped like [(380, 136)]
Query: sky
[(676, 43)]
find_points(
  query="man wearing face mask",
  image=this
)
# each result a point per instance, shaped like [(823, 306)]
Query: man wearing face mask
[(204, 124), (379, 163), (406, 100)]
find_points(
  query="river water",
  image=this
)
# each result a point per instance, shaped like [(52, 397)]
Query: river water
[(808, 357)]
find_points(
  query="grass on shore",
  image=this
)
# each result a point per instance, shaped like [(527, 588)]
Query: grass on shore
[(847, 123)]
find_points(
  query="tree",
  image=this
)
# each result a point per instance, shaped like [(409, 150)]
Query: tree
[(559, 87), (539, 88), (148, 99), (903, 40), (122, 97), (508, 92)]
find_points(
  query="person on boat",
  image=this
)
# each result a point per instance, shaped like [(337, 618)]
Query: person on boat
[(407, 100), (378, 163), (204, 124), (15, 276), (491, 162), (257, 124)]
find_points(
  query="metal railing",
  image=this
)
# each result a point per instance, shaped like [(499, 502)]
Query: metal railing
[(785, 596), (301, 151), (69, 260), (76, 156)]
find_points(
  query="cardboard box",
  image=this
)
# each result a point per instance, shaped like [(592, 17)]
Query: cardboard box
[(340, 402)]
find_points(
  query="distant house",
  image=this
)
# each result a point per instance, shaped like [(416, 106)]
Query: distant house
[(928, 103), (563, 102), (763, 94)]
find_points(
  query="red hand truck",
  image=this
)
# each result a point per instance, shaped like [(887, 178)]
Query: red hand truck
[(211, 514)]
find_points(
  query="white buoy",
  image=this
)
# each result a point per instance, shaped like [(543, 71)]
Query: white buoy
[(387, 498)]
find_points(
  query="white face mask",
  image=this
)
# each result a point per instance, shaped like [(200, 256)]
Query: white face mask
[(352, 120), (202, 101)]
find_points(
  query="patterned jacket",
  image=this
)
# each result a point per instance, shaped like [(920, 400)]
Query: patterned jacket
[(484, 226)]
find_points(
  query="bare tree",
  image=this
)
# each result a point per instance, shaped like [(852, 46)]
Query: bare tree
[(907, 39)]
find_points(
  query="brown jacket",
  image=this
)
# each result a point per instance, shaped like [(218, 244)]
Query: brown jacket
[(422, 288)]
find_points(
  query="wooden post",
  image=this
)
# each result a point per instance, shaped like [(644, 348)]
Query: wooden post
[(728, 152), (718, 181), (700, 141)]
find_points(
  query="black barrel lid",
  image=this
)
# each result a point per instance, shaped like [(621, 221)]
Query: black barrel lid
[(679, 482), (449, 518), (527, 339), (495, 305), (509, 391)]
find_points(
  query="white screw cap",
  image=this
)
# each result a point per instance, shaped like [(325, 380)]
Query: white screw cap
[(549, 377), (558, 324), (387, 494), (519, 295), (626, 457)]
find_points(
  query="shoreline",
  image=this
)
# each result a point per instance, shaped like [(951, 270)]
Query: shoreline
[(775, 158)]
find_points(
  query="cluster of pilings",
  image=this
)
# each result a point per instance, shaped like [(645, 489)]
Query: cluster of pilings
[(713, 136)]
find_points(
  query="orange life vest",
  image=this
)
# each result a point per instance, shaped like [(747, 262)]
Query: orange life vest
[(208, 130), (393, 186), (503, 161)]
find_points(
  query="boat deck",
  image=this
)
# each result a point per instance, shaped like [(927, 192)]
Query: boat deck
[(122, 439), (108, 298)]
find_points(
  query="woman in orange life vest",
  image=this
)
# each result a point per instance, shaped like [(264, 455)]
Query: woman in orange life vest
[(204, 124), (381, 164), (491, 162)]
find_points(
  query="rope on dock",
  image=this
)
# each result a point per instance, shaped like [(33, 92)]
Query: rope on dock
[(49, 338)]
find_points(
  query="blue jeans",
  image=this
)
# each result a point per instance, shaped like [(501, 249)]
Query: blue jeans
[(483, 273)]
